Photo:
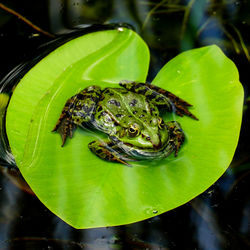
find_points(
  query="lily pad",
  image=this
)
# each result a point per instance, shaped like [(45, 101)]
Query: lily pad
[(86, 191)]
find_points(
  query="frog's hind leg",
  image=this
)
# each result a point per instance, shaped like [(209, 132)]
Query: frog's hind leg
[(77, 110), (106, 150), (176, 137), (160, 97)]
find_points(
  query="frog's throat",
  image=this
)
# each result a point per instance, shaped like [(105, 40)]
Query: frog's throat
[(144, 153)]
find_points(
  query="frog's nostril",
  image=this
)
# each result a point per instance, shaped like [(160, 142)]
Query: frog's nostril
[(157, 146), (156, 141)]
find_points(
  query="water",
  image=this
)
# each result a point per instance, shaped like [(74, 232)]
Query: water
[(218, 218)]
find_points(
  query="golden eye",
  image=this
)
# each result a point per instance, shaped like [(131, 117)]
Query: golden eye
[(133, 130), (161, 123)]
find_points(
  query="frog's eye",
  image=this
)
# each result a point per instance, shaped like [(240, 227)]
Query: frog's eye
[(161, 123), (133, 130)]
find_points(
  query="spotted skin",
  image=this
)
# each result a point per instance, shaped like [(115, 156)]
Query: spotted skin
[(130, 117), (176, 136), (160, 97)]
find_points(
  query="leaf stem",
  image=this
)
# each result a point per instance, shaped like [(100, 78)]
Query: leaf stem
[(24, 19), (151, 12), (243, 45), (234, 43), (186, 16)]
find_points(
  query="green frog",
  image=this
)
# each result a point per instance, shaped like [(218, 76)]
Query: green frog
[(130, 116)]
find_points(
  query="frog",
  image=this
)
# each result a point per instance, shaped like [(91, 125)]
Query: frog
[(130, 114)]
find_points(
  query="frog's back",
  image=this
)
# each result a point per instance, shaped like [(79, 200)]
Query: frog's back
[(119, 107), (126, 106)]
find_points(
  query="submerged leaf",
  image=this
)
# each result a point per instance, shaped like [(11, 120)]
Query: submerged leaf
[(88, 192)]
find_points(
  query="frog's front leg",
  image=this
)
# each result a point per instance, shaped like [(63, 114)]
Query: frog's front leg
[(107, 150), (78, 110), (160, 97), (176, 137)]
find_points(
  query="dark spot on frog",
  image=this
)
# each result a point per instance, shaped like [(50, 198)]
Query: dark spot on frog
[(99, 151), (102, 97), (152, 95), (142, 115), (142, 91), (130, 116), (133, 102), (124, 92), (134, 87), (99, 108), (119, 115), (145, 111), (134, 112), (129, 144), (80, 96), (114, 102), (160, 98), (108, 92)]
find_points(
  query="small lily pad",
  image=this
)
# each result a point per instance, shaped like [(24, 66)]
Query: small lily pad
[(86, 191)]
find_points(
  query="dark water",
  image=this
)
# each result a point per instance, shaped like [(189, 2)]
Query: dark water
[(217, 219)]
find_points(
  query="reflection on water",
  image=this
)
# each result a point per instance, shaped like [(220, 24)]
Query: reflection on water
[(214, 220), (217, 219)]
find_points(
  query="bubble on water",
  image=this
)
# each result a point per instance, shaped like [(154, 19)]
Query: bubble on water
[(120, 29), (151, 210)]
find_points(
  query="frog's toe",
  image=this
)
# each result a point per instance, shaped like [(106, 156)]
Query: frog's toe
[(65, 128), (182, 110), (176, 136), (106, 151)]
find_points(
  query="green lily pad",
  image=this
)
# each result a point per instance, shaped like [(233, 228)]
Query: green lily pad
[(86, 191)]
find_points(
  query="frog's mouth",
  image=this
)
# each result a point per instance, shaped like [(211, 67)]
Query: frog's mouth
[(154, 148)]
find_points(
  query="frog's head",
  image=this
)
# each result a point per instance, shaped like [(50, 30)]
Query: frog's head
[(149, 134)]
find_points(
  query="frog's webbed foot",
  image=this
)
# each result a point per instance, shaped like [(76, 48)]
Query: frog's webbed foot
[(78, 110), (160, 97), (109, 152), (179, 106), (65, 127), (176, 136)]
